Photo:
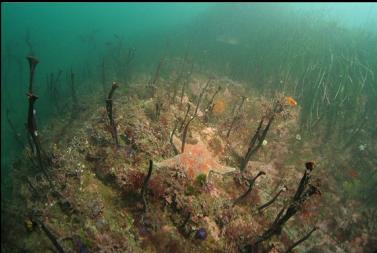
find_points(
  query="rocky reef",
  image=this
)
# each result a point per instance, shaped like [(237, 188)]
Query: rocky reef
[(213, 168)]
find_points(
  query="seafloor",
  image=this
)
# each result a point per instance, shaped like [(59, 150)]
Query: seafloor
[(99, 200)]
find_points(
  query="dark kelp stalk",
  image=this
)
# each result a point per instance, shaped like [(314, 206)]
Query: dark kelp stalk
[(109, 109)]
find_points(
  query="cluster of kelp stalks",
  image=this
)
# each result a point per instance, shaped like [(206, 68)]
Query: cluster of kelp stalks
[(327, 67), (330, 69), (90, 192)]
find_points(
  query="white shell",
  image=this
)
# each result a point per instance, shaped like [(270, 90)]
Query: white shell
[(298, 137), (362, 147)]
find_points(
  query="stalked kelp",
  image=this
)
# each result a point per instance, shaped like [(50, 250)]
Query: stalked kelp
[(195, 114), (103, 76), (50, 235), (16, 135), (34, 140), (236, 115), (75, 103), (109, 109), (54, 90), (257, 140), (185, 117), (120, 57), (145, 185), (185, 130), (251, 183), (304, 191), (270, 202), (178, 80), (186, 80), (209, 108), (305, 237)]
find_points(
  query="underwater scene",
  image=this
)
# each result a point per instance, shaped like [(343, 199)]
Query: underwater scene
[(189, 127)]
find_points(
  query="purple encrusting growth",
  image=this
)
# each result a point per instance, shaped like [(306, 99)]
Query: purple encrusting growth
[(81, 246), (201, 234)]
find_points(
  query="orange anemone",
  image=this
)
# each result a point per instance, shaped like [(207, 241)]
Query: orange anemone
[(353, 173), (291, 101)]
